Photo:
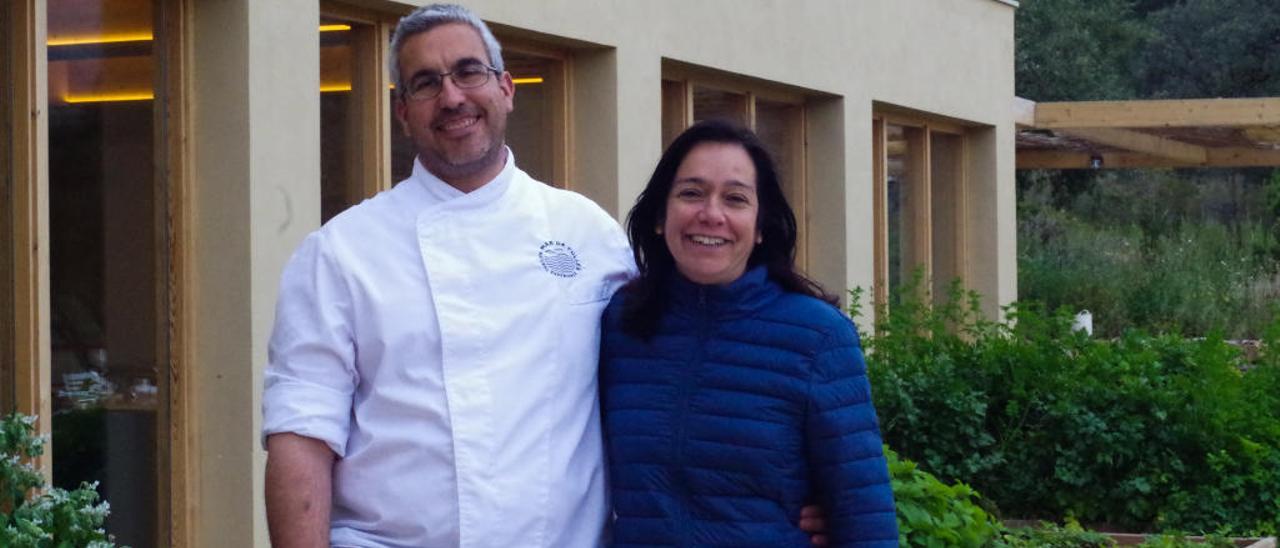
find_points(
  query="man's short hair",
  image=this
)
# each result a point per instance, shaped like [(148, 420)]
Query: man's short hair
[(431, 16)]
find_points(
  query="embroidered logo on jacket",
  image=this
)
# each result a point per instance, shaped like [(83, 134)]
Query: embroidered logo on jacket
[(559, 259)]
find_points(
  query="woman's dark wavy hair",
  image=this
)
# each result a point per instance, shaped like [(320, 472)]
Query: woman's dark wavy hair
[(777, 225)]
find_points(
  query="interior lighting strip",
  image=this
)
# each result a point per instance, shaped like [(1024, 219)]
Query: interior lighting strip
[(143, 36), (109, 97)]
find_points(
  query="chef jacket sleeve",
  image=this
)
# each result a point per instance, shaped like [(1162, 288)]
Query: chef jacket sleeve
[(846, 456), (311, 374)]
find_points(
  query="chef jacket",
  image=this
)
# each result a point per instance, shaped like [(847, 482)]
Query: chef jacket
[(444, 345)]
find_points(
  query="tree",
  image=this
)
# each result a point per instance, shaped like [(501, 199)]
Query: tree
[(1213, 48), (1077, 49)]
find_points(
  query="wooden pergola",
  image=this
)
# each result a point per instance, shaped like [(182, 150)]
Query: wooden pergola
[(1148, 134)]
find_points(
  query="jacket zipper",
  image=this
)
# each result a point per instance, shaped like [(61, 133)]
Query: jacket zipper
[(687, 387)]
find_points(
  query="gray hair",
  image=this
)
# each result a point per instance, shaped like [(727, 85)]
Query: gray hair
[(431, 16)]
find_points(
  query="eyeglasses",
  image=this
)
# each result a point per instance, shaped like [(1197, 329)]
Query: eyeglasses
[(428, 86)]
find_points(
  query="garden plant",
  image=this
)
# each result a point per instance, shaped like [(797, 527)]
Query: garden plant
[(33, 516), (1142, 433)]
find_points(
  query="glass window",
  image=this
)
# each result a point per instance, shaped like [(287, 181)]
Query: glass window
[(919, 207), (946, 154), (675, 110), (906, 193), (536, 128), (709, 103), (108, 291), (7, 318), (340, 141), (532, 125), (781, 127)]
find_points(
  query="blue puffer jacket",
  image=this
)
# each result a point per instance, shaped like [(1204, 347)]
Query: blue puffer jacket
[(748, 403)]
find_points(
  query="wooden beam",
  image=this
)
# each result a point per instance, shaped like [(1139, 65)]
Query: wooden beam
[(1225, 157), (1141, 142), (1078, 160), (1024, 113), (1156, 114), (1244, 157)]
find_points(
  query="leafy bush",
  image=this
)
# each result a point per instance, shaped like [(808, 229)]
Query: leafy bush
[(932, 513), (1049, 535), (32, 517), (1149, 252), (1142, 432)]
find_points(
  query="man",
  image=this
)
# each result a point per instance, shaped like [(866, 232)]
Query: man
[(432, 370)]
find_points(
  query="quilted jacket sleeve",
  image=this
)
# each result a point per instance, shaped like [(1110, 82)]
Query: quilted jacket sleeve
[(846, 460)]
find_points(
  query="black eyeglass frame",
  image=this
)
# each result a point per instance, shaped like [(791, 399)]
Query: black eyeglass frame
[(409, 94)]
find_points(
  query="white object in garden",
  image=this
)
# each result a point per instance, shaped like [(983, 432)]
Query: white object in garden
[(1083, 322)]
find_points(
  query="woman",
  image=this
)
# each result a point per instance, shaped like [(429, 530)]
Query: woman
[(734, 391)]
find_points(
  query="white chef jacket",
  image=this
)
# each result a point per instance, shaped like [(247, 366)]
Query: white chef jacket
[(444, 345)]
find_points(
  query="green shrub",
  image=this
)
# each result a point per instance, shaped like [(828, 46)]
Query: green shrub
[(34, 517), (932, 513), (1049, 535), (1144, 432), (1125, 257)]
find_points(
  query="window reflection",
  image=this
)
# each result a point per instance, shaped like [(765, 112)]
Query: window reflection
[(779, 127), (947, 209), (107, 293), (711, 103), (339, 187), (898, 153)]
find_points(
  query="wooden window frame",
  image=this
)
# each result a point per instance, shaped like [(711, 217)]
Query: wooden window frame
[(179, 453), (920, 251), (370, 166), (29, 176), (30, 190), (678, 84), (560, 90)]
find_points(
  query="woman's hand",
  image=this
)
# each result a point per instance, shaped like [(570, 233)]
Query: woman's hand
[(814, 521)]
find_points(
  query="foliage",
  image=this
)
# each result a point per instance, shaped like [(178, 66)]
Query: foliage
[(1049, 535), (1169, 266), (1143, 432), (932, 513), (1073, 50), (1211, 48), (1180, 541), (1076, 49), (30, 515)]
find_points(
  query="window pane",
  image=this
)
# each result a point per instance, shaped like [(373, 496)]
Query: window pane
[(947, 202), (713, 103), (906, 176), (781, 127), (107, 279), (535, 128), (531, 128), (674, 110), (778, 125), (6, 217), (339, 158)]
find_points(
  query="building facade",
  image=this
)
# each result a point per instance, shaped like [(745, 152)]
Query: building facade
[(160, 160)]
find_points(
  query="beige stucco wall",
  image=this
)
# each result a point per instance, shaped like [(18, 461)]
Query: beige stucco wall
[(256, 148), (944, 57)]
